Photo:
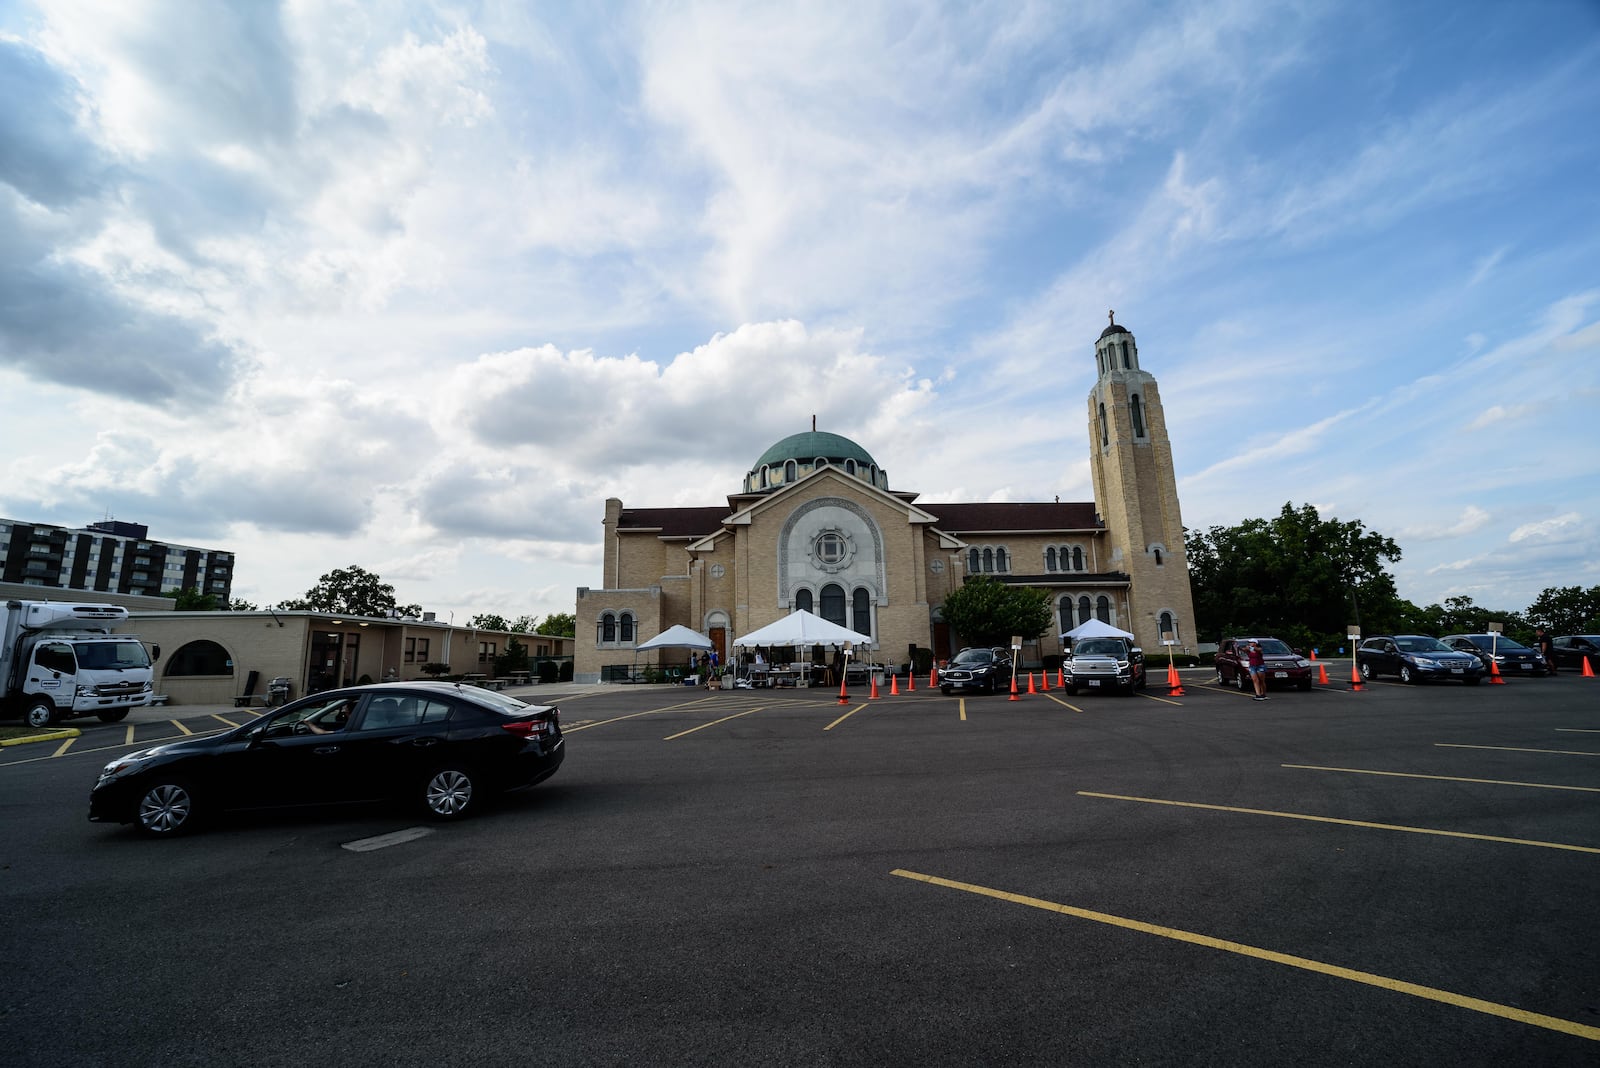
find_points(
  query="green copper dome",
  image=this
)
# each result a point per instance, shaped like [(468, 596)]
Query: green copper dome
[(799, 455), (812, 444)]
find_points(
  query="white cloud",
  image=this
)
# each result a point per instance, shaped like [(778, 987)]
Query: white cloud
[(1546, 529)]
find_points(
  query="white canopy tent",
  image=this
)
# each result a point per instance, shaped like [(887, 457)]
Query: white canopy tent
[(803, 630), (676, 637), (1095, 628)]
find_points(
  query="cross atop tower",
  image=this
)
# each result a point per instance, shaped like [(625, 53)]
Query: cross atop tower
[(1112, 315)]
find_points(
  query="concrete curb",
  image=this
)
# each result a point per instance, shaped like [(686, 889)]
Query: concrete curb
[(49, 736)]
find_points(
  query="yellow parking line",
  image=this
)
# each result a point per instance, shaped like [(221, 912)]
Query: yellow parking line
[(128, 738), (180, 726), (64, 747), (1062, 703), (1514, 749), (841, 719), (1399, 986), (1346, 823), (1445, 778), (634, 715), (961, 707), (1163, 700), (224, 719), (713, 723)]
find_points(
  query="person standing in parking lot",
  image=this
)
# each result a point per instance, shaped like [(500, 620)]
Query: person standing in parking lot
[(1258, 670), (1547, 648)]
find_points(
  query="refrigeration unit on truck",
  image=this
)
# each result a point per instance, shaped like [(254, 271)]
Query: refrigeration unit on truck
[(60, 660)]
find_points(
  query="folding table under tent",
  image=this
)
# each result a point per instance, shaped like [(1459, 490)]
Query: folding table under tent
[(803, 630)]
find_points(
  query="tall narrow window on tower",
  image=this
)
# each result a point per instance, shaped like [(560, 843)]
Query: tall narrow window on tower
[(1138, 416), (1105, 439)]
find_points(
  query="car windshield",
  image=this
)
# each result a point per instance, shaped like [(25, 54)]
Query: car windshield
[(1422, 645), (1098, 647), (974, 657), (1274, 647), (106, 656), (1486, 641)]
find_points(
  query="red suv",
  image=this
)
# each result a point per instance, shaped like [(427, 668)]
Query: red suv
[(1285, 667)]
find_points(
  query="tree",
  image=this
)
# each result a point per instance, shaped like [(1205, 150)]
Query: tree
[(515, 658), (562, 624), (524, 625), (488, 621), (1567, 609), (1297, 576), (239, 604), (986, 612), (351, 591), (192, 600)]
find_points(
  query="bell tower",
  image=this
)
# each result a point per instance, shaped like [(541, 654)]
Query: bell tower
[(1136, 493)]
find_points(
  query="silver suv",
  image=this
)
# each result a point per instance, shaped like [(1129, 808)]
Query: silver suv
[(1103, 664)]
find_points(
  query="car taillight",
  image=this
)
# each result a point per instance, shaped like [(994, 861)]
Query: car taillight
[(529, 728)]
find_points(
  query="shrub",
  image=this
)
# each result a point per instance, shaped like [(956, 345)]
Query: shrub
[(566, 671)]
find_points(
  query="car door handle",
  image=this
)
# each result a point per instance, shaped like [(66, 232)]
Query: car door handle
[(326, 749), (422, 743)]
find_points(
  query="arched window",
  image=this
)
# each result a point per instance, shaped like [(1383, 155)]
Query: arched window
[(833, 603), (1102, 608), (607, 629), (626, 629), (1002, 560), (766, 475), (802, 600), (1125, 364), (974, 561), (988, 560), (1105, 437), (1168, 626), (1050, 558), (849, 467), (819, 463), (200, 657), (1084, 611), (1138, 417), (861, 612), (1158, 557), (1066, 614), (791, 470), (1077, 558)]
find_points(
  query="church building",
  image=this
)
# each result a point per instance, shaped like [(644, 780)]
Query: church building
[(817, 525)]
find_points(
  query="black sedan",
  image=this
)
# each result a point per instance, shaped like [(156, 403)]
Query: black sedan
[(1416, 658), (1572, 650), (441, 746), (1512, 657)]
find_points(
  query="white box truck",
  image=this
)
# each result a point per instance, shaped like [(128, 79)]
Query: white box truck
[(60, 660)]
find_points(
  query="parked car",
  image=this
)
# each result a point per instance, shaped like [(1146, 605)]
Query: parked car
[(1572, 649), (1512, 657), (1416, 658), (441, 746), (1285, 667), (1104, 664), (984, 670)]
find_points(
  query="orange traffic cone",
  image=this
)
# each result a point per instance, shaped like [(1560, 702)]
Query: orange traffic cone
[(1030, 683), (1322, 673), (1495, 678), (844, 698), (1313, 654), (1174, 683), (911, 680), (873, 694), (1044, 679), (1588, 668), (1061, 677), (1355, 678), (933, 678), (1013, 696), (894, 685)]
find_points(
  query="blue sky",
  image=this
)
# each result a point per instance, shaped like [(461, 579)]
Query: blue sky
[(418, 286)]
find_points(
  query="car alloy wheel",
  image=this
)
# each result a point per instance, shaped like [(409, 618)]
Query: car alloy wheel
[(1239, 681), (1367, 672), (166, 810), (1406, 674), (448, 794)]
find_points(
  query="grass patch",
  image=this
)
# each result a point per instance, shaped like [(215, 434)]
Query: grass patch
[(8, 732)]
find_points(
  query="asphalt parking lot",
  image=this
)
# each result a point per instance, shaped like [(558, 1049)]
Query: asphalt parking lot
[(1404, 875)]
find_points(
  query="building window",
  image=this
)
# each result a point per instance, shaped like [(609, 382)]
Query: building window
[(861, 612), (849, 467), (411, 650), (1084, 611), (1105, 438), (606, 632), (200, 658), (1050, 558), (1066, 614), (802, 600), (833, 603), (1158, 557), (1077, 558), (422, 650), (974, 561), (766, 476), (1125, 364), (830, 547), (1002, 561), (625, 629), (988, 560), (1102, 608), (1168, 625), (791, 471), (1138, 417)]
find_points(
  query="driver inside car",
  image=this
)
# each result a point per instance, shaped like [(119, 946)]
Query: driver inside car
[(330, 719)]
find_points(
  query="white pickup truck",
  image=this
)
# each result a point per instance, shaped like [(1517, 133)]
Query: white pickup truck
[(59, 659)]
